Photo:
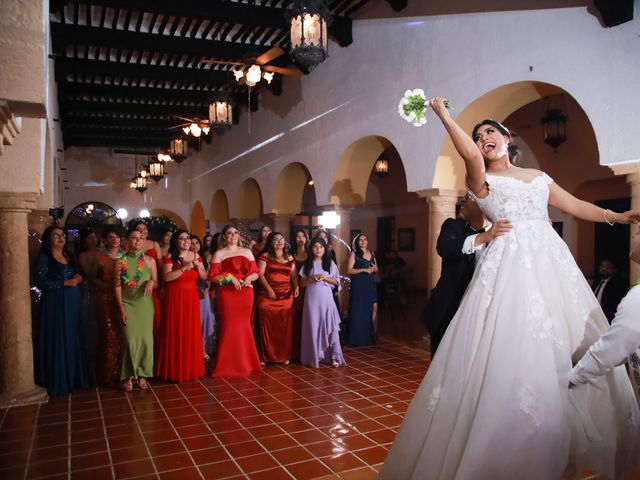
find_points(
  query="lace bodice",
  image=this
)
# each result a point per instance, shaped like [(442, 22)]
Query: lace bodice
[(514, 199)]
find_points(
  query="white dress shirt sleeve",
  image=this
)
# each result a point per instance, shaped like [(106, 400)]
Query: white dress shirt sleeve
[(620, 340), (469, 246)]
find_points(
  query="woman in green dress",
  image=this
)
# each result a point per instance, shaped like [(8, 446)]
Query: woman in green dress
[(135, 277)]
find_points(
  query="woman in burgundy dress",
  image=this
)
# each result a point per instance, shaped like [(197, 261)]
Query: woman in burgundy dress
[(275, 300), (233, 271), (180, 353), (299, 255)]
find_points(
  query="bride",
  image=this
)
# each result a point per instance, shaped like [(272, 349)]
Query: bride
[(495, 402)]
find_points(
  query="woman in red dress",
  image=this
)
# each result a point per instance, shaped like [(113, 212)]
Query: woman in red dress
[(152, 249), (233, 271), (180, 353), (300, 256), (275, 299)]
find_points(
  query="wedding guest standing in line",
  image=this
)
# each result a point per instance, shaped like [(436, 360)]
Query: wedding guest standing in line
[(233, 271), (180, 353), (363, 298), (88, 255), (320, 340), (299, 255), (59, 363), (257, 247), (207, 320), (108, 313), (275, 300), (152, 249), (134, 279)]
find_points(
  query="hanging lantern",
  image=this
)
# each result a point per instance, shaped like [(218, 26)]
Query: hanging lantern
[(309, 32), (554, 125), (178, 149), (381, 167), (141, 182), (156, 169), (220, 113)]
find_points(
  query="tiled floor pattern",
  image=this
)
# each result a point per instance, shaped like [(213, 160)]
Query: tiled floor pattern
[(282, 423)]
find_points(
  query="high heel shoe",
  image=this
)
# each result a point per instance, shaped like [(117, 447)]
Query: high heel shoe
[(127, 385)]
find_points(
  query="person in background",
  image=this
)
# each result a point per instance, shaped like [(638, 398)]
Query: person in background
[(457, 244), (320, 339), (299, 255), (233, 271), (279, 281), (58, 360), (108, 313), (134, 279), (257, 247), (180, 355), (363, 299), (88, 255), (207, 319), (610, 289), (206, 242), (166, 240)]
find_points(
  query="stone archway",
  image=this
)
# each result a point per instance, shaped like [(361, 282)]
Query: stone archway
[(219, 209), (248, 201), (197, 219)]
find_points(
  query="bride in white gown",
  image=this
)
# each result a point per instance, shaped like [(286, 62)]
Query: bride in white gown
[(495, 402)]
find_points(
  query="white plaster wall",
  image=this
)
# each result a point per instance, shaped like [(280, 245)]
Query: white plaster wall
[(355, 92)]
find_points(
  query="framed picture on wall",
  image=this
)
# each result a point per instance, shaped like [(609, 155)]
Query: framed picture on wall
[(406, 239)]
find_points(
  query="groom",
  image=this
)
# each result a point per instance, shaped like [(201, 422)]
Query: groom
[(458, 242)]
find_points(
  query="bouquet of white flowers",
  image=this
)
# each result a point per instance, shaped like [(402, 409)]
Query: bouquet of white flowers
[(413, 105)]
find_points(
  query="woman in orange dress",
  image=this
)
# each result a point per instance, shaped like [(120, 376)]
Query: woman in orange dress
[(108, 313), (180, 353), (233, 271), (275, 299), (152, 249)]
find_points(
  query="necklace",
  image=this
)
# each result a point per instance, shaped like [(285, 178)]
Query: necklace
[(124, 277), (118, 254)]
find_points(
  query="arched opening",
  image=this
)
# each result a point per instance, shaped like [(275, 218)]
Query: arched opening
[(248, 201), (174, 217), (290, 189), (197, 219), (219, 208)]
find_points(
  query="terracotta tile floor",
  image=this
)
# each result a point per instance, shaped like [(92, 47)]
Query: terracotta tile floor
[(283, 423)]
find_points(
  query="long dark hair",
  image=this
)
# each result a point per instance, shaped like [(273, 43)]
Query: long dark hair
[(513, 150), (45, 250), (326, 257), (355, 246), (294, 246), (270, 251), (201, 251), (215, 243), (84, 235), (174, 250)]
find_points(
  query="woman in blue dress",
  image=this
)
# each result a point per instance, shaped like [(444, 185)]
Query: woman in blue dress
[(59, 363), (363, 299)]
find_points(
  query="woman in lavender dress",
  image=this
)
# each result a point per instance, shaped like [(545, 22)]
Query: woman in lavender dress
[(320, 340)]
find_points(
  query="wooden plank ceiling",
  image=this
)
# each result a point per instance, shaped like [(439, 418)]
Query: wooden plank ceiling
[(124, 68)]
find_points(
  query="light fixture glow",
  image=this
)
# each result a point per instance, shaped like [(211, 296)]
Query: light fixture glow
[(144, 213), (329, 219), (195, 130), (122, 213), (253, 75), (268, 76), (238, 74)]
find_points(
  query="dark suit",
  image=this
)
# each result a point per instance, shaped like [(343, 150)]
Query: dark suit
[(457, 271), (613, 292)]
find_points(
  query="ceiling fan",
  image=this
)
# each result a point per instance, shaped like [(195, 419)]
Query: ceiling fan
[(253, 69), (193, 126)]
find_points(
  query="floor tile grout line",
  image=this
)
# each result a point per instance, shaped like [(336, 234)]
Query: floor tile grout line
[(106, 435), (144, 439), (176, 430), (33, 438), (69, 400)]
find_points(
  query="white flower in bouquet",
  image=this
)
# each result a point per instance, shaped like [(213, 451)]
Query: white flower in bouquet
[(413, 106)]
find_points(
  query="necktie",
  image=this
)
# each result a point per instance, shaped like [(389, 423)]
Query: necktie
[(599, 287)]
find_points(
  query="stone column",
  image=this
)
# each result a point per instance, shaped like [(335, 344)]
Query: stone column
[(341, 239), (632, 172), (17, 385), (442, 205), (281, 224)]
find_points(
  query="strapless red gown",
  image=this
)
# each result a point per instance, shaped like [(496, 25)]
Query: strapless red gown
[(180, 352), (237, 354), (157, 316)]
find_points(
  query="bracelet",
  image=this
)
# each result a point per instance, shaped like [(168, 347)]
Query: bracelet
[(604, 215)]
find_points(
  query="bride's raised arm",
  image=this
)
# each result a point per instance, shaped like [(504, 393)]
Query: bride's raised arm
[(465, 146)]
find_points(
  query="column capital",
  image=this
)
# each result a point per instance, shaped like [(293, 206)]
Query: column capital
[(17, 202), (630, 169), (430, 193)]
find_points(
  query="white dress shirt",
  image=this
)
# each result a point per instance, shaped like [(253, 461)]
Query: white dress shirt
[(619, 342)]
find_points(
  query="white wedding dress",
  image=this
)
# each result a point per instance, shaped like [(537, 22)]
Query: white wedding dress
[(495, 402)]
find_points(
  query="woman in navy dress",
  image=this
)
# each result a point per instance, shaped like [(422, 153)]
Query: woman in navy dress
[(59, 363), (363, 300)]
